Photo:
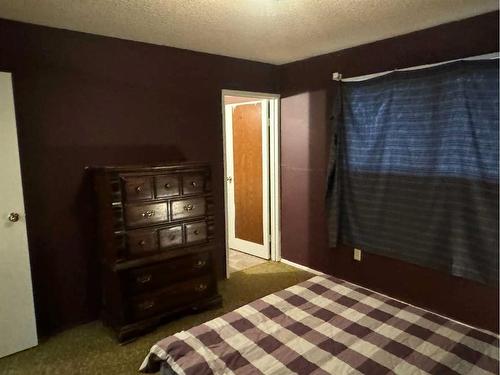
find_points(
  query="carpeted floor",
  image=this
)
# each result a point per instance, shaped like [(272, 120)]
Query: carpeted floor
[(92, 349)]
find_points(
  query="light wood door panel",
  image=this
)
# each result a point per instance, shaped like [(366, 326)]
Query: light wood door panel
[(247, 156), (247, 172)]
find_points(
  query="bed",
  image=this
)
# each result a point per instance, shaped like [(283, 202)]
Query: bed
[(326, 326)]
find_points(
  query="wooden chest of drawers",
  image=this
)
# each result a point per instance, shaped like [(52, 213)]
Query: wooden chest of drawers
[(156, 227)]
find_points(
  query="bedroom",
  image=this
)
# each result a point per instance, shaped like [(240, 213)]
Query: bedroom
[(114, 84)]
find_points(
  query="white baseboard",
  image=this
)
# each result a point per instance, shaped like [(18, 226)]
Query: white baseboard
[(301, 267)]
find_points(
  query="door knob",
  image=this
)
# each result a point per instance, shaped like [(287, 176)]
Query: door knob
[(229, 179), (13, 216)]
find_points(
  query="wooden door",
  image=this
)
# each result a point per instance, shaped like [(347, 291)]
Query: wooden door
[(17, 315), (247, 150)]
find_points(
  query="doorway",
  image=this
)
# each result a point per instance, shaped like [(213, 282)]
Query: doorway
[(251, 166)]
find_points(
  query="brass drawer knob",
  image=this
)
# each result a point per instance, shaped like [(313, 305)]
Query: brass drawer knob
[(201, 287), (194, 184), (172, 237), (200, 263), (143, 279), (167, 186), (196, 232), (148, 213), (146, 305), (138, 189), (142, 243), (188, 207)]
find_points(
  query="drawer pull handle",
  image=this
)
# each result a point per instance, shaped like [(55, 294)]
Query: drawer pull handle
[(172, 237), (143, 279), (148, 213), (201, 287), (146, 305), (138, 189), (142, 242), (200, 263), (196, 232), (188, 207), (167, 186), (194, 183)]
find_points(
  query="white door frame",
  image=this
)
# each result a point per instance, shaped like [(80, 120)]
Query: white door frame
[(274, 169)]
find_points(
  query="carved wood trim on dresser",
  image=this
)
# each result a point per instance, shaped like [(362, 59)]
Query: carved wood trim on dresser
[(156, 240)]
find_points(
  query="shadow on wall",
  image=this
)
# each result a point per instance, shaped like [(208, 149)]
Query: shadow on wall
[(319, 144), (62, 226), (304, 160)]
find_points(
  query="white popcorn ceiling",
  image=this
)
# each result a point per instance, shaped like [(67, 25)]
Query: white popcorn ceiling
[(272, 31)]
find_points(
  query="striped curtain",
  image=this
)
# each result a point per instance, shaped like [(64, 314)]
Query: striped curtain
[(414, 168)]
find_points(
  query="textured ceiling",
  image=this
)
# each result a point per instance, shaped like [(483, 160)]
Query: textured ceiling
[(273, 31)]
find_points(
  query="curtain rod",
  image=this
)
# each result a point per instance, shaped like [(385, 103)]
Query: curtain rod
[(338, 76)]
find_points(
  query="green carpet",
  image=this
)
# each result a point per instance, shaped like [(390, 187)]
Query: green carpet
[(92, 349)]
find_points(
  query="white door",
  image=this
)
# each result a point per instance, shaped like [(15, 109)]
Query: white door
[(17, 313), (247, 177)]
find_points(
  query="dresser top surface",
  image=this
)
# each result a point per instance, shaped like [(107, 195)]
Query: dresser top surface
[(151, 167)]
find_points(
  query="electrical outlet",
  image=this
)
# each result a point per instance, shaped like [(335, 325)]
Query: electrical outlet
[(357, 255)]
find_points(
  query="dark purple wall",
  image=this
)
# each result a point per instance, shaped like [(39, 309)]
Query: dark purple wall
[(83, 99), (305, 87)]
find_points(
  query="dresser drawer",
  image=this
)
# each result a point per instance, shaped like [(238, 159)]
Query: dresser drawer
[(193, 183), (142, 241), (145, 214), (187, 208), (196, 232), (137, 188), (176, 295), (167, 186), (171, 237), (163, 274)]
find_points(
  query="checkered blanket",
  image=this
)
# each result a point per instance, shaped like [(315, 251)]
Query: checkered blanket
[(327, 326)]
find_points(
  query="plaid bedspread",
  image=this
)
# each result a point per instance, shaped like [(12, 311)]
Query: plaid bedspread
[(327, 326)]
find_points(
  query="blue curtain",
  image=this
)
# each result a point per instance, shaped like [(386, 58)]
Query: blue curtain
[(414, 168)]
